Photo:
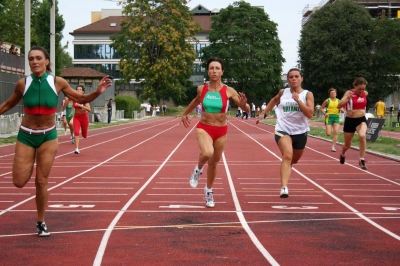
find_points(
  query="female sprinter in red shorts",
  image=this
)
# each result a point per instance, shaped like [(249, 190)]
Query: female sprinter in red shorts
[(212, 128), (81, 119)]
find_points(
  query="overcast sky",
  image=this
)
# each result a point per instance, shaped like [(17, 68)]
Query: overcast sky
[(286, 13)]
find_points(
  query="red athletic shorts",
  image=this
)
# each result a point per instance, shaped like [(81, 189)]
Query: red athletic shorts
[(214, 131)]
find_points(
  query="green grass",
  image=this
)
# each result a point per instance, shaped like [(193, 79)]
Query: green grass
[(382, 144)]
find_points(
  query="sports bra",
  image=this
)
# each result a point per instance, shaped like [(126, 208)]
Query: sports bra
[(214, 101), (357, 102), (40, 95)]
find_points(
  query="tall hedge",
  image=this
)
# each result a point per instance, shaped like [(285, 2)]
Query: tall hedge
[(128, 104)]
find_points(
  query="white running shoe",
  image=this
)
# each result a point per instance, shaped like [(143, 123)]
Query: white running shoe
[(194, 178), (209, 198), (76, 151), (284, 192), (333, 149)]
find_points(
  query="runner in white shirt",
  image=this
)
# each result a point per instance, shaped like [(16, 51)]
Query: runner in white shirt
[(294, 106)]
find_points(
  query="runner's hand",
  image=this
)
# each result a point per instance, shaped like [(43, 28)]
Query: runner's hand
[(185, 120)]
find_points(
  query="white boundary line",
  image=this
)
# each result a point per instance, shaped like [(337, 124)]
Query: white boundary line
[(356, 212), (242, 219), (111, 227)]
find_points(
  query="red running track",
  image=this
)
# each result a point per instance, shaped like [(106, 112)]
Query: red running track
[(125, 200)]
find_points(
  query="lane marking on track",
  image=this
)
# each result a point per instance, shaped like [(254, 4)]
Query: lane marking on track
[(93, 167), (242, 219), (107, 234), (356, 212)]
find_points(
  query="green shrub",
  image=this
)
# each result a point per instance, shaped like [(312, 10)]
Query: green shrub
[(128, 104)]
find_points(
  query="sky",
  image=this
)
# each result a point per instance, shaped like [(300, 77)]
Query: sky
[(286, 13)]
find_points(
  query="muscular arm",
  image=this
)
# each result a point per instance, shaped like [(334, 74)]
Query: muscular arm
[(194, 102), (63, 85), (345, 99), (323, 106), (274, 101), (14, 98), (308, 107)]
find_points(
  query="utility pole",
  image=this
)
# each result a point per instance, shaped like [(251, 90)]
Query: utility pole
[(27, 35), (53, 34)]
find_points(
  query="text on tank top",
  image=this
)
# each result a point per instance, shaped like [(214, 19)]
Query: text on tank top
[(357, 102), (214, 101)]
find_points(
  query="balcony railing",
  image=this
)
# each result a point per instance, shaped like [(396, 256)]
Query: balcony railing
[(12, 63)]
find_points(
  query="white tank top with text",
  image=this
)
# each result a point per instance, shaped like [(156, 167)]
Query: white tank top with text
[(290, 118)]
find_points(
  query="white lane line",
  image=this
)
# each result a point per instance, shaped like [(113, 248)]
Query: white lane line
[(356, 212), (86, 194), (85, 201), (288, 203), (77, 188), (271, 183), (359, 184), (105, 182), (94, 167), (174, 194), (107, 233), (356, 189), (242, 219), (363, 203), (270, 189), (363, 196), (348, 179), (110, 177), (263, 178)]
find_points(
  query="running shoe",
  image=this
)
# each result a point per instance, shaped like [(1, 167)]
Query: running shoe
[(342, 158), (76, 151), (209, 198), (72, 141), (284, 192), (194, 178), (42, 229), (362, 164), (333, 149)]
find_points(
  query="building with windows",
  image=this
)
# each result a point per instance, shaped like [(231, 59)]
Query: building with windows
[(92, 43), (377, 8)]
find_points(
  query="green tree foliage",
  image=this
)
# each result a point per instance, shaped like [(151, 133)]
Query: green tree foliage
[(128, 104), (154, 46), (12, 21), (245, 38), (385, 68), (341, 42), (42, 29)]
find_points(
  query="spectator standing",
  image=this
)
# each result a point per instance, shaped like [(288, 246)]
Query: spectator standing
[(253, 110), (398, 112), (164, 109), (109, 110), (258, 110), (380, 108), (11, 50), (148, 108), (391, 109), (263, 106)]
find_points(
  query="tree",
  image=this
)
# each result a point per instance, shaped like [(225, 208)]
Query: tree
[(335, 47), (247, 41), (385, 68), (154, 45), (342, 42), (41, 25)]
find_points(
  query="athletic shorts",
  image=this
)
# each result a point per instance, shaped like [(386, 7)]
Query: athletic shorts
[(331, 119), (214, 131), (35, 138), (350, 124), (298, 141)]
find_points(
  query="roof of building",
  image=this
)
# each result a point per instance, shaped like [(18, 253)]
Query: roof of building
[(81, 72), (104, 25)]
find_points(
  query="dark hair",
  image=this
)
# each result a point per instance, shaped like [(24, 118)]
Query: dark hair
[(215, 59), (294, 69), (83, 88), (46, 54), (331, 89), (360, 81)]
